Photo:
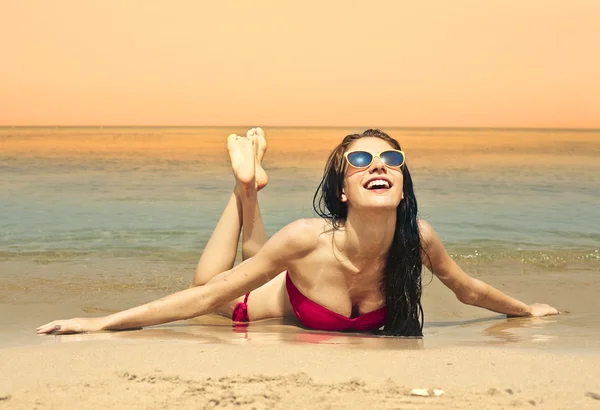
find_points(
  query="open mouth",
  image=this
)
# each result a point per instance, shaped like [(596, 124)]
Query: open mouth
[(376, 184)]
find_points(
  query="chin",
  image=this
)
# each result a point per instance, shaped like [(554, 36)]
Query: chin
[(382, 204)]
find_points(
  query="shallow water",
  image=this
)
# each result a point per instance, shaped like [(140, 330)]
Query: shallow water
[(128, 211)]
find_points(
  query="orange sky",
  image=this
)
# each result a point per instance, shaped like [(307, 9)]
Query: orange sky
[(492, 63)]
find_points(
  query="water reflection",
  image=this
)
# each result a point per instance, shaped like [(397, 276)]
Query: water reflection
[(506, 330), (214, 331), (493, 331), (499, 330)]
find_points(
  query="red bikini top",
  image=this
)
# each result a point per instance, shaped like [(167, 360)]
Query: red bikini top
[(317, 317)]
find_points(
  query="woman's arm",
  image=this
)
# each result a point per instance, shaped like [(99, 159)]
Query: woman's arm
[(286, 245), (469, 290)]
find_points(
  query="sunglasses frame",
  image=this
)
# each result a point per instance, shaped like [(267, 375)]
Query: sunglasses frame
[(376, 156)]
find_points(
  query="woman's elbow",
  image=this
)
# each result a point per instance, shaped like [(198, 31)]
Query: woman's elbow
[(473, 293), (468, 297)]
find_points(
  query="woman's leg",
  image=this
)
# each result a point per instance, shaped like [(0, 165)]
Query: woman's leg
[(242, 210), (221, 249), (253, 236), (269, 300)]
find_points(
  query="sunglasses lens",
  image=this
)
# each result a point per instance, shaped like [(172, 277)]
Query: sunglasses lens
[(392, 158), (360, 159)]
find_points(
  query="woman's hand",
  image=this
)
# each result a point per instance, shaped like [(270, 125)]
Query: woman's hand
[(541, 309), (77, 325)]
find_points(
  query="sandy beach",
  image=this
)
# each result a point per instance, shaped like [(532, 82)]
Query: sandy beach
[(479, 359), (140, 373)]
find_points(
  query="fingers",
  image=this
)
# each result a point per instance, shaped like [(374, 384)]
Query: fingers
[(542, 309), (56, 327), (551, 310), (47, 328)]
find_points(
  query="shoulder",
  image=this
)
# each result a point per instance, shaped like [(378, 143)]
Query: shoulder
[(427, 233), (433, 253), (304, 227), (300, 236), (431, 244)]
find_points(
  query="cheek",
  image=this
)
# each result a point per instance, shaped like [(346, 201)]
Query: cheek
[(351, 182), (401, 186), (350, 174)]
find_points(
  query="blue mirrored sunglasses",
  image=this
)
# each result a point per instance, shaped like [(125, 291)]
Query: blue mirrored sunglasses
[(362, 159)]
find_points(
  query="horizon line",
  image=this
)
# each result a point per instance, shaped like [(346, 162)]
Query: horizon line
[(419, 127)]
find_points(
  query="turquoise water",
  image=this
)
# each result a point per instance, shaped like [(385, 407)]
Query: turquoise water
[(57, 207)]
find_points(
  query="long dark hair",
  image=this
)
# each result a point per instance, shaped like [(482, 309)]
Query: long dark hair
[(401, 282)]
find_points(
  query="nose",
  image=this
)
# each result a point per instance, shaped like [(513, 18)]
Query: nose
[(376, 165)]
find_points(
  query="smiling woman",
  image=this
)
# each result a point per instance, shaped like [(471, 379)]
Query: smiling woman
[(358, 267)]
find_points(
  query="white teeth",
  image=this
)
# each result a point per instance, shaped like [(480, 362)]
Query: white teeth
[(379, 183)]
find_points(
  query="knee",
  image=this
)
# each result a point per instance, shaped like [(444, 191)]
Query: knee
[(249, 250), (197, 281)]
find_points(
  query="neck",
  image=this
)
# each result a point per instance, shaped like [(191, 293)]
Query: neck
[(369, 234)]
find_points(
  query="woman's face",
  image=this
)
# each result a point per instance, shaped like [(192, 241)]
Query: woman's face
[(359, 190)]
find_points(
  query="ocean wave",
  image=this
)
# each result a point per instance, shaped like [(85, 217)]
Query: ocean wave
[(543, 258)]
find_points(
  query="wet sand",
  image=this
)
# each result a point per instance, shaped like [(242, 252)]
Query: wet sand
[(33, 294)]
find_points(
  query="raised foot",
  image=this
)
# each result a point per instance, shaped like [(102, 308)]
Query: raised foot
[(241, 153), (257, 135)]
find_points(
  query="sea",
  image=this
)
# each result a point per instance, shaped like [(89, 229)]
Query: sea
[(97, 219)]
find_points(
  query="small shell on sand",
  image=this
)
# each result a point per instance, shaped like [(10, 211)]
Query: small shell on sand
[(427, 392)]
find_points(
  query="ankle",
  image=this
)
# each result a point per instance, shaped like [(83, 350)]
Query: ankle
[(245, 191)]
